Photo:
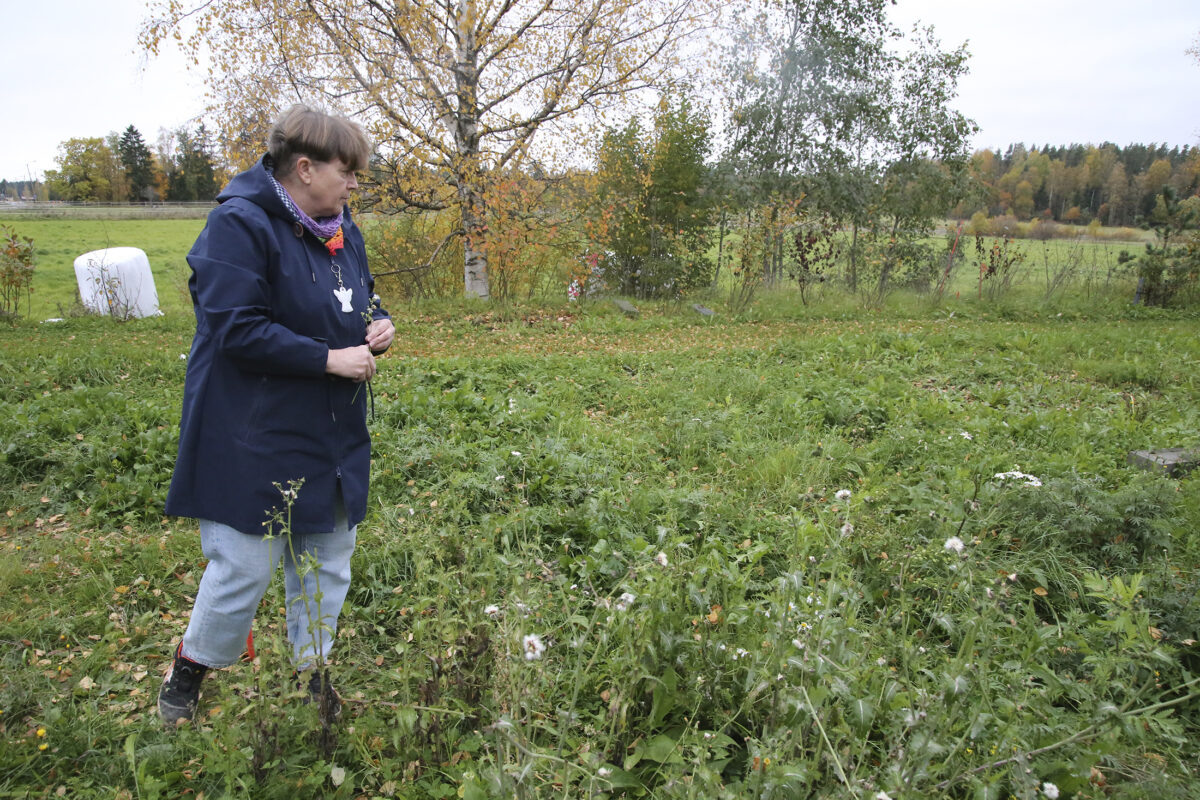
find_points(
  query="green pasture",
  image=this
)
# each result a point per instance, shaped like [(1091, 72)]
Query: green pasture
[(1053, 273), (59, 242), (772, 554)]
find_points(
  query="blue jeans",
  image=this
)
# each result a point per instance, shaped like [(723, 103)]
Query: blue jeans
[(316, 571)]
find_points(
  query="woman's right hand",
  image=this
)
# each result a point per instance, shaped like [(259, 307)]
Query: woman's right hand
[(355, 363)]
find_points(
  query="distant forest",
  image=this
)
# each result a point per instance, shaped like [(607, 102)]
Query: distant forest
[(1078, 183)]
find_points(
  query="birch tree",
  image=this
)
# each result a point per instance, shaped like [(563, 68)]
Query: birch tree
[(454, 91)]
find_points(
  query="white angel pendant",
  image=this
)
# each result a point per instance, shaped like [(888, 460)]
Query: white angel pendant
[(344, 293)]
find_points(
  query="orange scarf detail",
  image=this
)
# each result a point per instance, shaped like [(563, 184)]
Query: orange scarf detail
[(336, 242)]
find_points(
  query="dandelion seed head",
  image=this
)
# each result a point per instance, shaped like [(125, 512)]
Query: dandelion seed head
[(1050, 790), (847, 529), (533, 646), (492, 610), (842, 494), (661, 558), (954, 544)]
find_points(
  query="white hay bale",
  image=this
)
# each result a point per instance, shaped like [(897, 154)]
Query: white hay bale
[(117, 282)]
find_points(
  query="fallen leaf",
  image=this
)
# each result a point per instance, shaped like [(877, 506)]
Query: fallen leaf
[(86, 683), (1155, 633), (1040, 591)]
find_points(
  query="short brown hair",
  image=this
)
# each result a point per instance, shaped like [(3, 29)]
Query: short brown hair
[(302, 131)]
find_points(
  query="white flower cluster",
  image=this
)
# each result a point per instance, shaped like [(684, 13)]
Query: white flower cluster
[(1018, 476), (842, 495), (954, 544)]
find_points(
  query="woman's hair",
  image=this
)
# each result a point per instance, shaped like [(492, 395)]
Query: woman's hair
[(302, 131)]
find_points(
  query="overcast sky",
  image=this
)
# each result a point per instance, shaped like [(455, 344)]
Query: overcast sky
[(1042, 71)]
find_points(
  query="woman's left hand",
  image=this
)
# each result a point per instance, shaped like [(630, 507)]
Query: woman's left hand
[(380, 334)]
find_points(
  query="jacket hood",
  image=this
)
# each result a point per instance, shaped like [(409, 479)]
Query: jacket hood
[(255, 185)]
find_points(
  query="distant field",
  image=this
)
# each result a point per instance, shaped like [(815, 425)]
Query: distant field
[(1080, 268), (59, 241)]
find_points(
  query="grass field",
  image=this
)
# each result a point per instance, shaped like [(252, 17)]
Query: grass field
[(59, 242), (775, 554)]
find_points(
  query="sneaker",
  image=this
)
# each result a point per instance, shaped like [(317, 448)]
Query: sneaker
[(180, 689), (321, 692)]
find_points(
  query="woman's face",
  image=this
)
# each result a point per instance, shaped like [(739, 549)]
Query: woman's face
[(327, 186)]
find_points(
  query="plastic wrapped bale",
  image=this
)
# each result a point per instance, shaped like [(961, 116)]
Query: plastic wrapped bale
[(117, 282)]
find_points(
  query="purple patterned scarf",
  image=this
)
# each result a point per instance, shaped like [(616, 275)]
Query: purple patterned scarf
[(323, 228)]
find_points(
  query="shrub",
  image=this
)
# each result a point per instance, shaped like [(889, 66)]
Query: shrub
[(16, 271)]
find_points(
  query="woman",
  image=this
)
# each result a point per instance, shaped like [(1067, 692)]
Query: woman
[(274, 452)]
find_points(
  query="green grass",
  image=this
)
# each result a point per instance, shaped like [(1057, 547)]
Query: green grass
[(539, 459), (59, 242)]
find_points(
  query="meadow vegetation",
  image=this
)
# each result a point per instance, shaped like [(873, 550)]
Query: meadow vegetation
[(778, 552)]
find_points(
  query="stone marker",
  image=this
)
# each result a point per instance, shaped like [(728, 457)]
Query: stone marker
[(627, 308), (1174, 462), (701, 310)]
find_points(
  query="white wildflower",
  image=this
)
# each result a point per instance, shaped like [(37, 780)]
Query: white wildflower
[(661, 558), (625, 601), (492, 610), (842, 494), (604, 772), (533, 646), (516, 453), (966, 435), (499, 478), (882, 795), (847, 529), (1030, 480), (183, 356), (1050, 790), (954, 543)]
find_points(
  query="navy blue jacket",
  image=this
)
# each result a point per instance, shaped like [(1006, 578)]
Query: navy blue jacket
[(258, 408)]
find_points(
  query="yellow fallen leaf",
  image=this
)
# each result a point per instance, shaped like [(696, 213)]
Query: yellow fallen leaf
[(1040, 591), (1155, 633)]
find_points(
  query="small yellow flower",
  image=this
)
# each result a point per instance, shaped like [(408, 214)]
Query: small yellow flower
[(41, 732), (43, 746)]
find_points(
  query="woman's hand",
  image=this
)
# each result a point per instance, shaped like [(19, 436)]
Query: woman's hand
[(355, 363), (379, 334)]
